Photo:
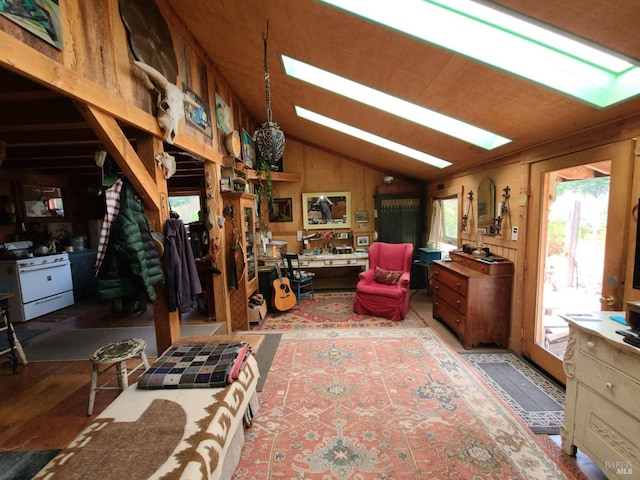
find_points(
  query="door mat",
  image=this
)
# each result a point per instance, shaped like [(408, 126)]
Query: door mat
[(535, 398), (79, 344)]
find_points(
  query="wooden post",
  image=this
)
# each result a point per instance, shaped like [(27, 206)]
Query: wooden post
[(167, 324)]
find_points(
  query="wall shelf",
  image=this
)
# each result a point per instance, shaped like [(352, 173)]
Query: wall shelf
[(275, 176)]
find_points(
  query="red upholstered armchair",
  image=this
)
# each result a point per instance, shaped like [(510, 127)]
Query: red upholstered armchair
[(383, 290)]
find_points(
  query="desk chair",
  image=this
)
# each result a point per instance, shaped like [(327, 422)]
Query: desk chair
[(299, 279)]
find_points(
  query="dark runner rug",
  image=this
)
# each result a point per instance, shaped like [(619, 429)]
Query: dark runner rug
[(22, 336), (535, 398), (79, 344), (24, 465), (264, 356)]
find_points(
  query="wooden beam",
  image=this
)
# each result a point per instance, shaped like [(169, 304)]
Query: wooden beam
[(117, 144), (24, 60)]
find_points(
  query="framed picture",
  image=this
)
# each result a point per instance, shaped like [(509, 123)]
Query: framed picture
[(362, 241), (223, 116), (362, 217), (344, 236), (200, 116), (41, 18), (248, 149), (282, 210)]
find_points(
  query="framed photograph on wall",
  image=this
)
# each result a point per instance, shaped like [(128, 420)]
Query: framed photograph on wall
[(362, 241), (248, 149), (223, 116), (200, 116), (362, 217), (282, 210), (343, 236)]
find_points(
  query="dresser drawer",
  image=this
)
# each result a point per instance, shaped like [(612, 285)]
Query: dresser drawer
[(606, 352), (453, 298), (450, 279), (608, 435), (609, 382), (449, 315)]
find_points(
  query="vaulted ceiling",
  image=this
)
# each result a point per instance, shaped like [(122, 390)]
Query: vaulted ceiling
[(231, 33)]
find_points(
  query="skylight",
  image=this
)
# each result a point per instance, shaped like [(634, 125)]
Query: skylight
[(390, 104), (509, 43), (371, 138)]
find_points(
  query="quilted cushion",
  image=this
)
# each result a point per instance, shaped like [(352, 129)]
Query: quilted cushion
[(387, 277)]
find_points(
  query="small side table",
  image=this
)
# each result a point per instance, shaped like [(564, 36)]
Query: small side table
[(15, 348)]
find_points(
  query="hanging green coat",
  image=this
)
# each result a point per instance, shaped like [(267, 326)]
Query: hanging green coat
[(131, 266)]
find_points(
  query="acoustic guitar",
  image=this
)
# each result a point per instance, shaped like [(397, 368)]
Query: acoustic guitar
[(283, 298)]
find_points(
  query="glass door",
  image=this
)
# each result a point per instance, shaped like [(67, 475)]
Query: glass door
[(249, 233), (575, 245)]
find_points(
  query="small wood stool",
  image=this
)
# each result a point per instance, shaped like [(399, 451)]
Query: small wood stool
[(116, 354)]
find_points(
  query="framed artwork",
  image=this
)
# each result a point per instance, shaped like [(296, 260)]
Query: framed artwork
[(248, 149), (362, 217), (223, 116), (344, 236), (42, 18), (200, 116), (362, 241), (282, 210)]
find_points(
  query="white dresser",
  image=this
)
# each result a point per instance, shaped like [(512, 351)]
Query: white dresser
[(602, 407)]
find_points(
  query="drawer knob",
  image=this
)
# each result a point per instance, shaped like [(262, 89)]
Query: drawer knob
[(591, 344), (458, 302), (458, 284), (457, 320), (609, 385)]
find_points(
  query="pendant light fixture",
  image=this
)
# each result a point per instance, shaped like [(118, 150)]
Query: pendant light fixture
[(269, 138)]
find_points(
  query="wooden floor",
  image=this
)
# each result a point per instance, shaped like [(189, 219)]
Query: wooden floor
[(44, 406)]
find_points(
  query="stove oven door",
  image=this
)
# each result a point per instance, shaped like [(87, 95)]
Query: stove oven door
[(45, 288)]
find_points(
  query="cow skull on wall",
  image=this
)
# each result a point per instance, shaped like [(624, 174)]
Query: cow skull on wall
[(170, 101)]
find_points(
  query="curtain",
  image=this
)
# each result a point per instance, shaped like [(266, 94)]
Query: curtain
[(437, 224)]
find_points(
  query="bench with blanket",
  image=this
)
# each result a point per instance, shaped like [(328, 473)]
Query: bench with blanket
[(170, 432)]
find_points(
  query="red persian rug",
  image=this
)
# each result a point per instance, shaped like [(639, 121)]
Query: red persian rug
[(385, 404), (331, 310)]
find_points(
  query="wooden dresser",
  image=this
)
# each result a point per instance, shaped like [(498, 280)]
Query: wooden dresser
[(473, 297), (602, 414)]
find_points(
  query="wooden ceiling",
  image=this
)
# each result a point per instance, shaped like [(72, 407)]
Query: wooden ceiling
[(231, 33), (43, 130)]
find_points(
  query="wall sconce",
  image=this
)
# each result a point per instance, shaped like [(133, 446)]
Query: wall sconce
[(467, 218), (503, 210)]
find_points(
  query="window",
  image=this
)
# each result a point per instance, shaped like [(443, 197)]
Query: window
[(443, 233), (187, 206)]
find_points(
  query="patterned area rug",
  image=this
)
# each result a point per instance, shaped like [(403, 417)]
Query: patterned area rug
[(331, 310), (535, 398), (383, 404)]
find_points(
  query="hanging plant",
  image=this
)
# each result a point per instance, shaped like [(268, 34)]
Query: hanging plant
[(265, 185)]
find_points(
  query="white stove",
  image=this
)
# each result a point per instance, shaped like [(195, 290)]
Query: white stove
[(42, 284)]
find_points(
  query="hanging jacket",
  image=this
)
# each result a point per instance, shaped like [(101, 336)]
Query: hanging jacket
[(182, 280), (131, 264)]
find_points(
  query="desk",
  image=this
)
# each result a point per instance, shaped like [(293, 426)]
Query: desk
[(330, 260), (14, 346)]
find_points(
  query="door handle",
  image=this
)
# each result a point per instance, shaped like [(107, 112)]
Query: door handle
[(609, 300)]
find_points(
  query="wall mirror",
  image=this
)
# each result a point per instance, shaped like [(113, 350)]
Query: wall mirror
[(486, 205), (42, 202), (326, 210)]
